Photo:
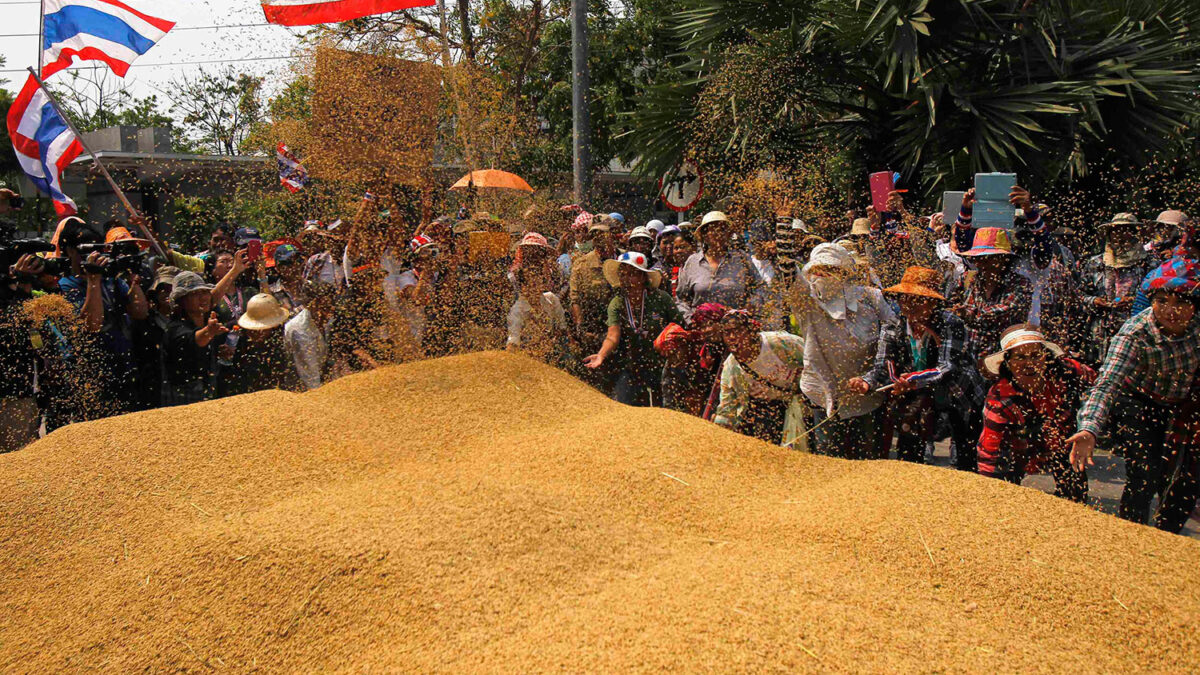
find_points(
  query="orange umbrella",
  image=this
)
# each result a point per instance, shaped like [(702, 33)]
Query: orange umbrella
[(492, 178)]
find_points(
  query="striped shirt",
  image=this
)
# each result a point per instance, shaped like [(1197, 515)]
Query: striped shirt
[(1142, 359)]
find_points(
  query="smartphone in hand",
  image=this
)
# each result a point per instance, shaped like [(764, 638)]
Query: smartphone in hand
[(254, 250)]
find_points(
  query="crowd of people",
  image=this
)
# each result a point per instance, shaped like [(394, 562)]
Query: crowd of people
[(1015, 343)]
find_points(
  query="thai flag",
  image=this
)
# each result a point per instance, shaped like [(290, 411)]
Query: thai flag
[(44, 144), (310, 12), (97, 30), (917, 377), (292, 174)]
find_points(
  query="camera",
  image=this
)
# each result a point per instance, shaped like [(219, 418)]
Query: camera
[(11, 251), (124, 256)]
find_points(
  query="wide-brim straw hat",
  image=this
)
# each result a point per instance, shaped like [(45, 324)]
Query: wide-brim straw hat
[(635, 260), (263, 312), (1124, 220), (1018, 336), (860, 226), (920, 281)]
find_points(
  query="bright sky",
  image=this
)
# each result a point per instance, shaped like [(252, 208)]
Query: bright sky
[(146, 78)]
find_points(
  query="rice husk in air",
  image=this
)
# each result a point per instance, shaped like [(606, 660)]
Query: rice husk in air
[(486, 512)]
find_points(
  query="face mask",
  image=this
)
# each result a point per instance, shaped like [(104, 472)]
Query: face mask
[(827, 288), (583, 246)]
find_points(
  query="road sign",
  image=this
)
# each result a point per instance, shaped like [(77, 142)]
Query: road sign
[(681, 188)]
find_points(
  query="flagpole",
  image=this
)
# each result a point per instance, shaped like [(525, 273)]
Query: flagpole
[(103, 170), (41, 46)]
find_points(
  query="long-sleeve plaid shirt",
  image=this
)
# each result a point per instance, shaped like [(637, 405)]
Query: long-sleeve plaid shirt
[(956, 372), (987, 318), (1144, 360)]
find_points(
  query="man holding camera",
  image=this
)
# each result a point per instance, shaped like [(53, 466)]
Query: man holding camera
[(19, 341), (107, 304)]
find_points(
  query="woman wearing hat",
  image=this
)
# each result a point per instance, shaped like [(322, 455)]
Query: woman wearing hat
[(717, 273), (926, 360), (997, 297), (190, 342), (1146, 378), (1030, 411), (1110, 280), (840, 321), (260, 360), (636, 316), (537, 324)]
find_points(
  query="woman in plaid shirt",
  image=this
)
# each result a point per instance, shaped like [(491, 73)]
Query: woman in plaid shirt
[(1146, 377), (926, 362), (1031, 410)]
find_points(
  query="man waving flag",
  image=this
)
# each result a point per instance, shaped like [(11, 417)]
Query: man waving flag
[(99, 30), (309, 12)]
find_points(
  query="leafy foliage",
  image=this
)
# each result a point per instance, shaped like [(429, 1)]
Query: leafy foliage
[(939, 89)]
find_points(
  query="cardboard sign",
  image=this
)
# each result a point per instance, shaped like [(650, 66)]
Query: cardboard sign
[(992, 208), (881, 186), (487, 246)]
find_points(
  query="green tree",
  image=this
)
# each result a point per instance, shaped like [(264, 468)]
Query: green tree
[(219, 109), (938, 89)]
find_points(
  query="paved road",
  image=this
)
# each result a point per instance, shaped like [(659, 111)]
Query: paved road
[(1105, 482)]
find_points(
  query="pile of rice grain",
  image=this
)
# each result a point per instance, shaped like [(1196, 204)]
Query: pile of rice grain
[(486, 512)]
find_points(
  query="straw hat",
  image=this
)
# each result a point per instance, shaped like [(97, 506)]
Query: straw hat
[(1125, 220), (990, 241), (1172, 217), (263, 312), (861, 226), (635, 260), (920, 281), (710, 218), (1017, 336), (641, 233)]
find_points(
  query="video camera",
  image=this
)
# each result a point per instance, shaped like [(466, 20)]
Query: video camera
[(124, 256), (11, 249)]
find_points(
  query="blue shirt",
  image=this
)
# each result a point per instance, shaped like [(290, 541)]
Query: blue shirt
[(115, 331)]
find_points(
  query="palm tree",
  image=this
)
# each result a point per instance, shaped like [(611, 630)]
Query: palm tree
[(937, 89)]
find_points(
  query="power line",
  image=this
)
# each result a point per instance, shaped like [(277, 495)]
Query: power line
[(175, 63), (233, 25)]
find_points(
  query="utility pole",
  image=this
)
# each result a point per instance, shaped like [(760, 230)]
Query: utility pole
[(579, 101)]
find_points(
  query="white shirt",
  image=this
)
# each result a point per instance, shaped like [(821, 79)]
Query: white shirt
[(309, 348), (836, 351), (766, 270), (393, 293), (521, 312)]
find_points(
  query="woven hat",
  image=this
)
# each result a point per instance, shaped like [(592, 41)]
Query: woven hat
[(187, 283), (860, 226), (635, 260), (920, 281), (641, 233), (1178, 275), (1172, 217), (263, 312), (990, 241), (1125, 220), (1017, 336), (165, 276)]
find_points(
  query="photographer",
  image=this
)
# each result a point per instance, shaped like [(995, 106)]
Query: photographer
[(19, 340), (106, 305)]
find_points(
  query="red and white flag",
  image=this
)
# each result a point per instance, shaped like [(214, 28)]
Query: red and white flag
[(309, 12)]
